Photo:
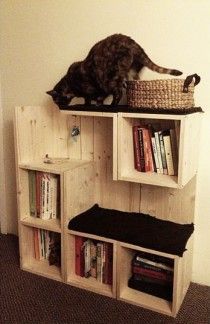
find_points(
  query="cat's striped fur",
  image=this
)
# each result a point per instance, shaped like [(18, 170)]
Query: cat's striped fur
[(104, 71)]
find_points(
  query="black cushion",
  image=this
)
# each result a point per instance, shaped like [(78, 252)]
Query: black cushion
[(134, 228)]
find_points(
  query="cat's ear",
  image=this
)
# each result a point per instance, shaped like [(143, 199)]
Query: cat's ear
[(51, 93)]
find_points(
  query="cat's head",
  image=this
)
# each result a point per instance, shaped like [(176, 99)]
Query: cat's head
[(67, 88), (60, 97)]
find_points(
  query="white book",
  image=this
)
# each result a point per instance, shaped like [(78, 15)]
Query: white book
[(42, 194), (99, 261), (54, 196), (169, 158), (87, 256), (40, 240), (162, 152), (155, 264), (45, 197), (154, 148), (157, 141)]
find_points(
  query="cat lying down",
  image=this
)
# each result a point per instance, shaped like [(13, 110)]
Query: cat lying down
[(104, 72)]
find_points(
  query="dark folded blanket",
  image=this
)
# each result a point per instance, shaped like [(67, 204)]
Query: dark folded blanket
[(134, 228)]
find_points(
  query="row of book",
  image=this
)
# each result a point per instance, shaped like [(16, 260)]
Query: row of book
[(155, 151), (152, 275), (47, 246), (43, 195), (93, 259)]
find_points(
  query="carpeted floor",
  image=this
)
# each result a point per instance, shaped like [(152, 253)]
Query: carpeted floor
[(27, 298)]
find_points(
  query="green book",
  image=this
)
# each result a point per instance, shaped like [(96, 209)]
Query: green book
[(32, 192)]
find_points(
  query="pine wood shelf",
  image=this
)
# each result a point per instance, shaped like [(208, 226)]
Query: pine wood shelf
[(42, 268), (53, 225), (99, 168)]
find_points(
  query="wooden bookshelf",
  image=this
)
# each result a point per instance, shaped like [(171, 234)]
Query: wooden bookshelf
[(98, 167)]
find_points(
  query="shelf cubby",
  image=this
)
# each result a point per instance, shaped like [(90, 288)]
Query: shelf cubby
[(25, 215), (126, 253), (187, 131), (28, 260), (89, 283)]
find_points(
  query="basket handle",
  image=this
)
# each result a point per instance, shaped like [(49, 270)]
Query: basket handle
[(188, 81)]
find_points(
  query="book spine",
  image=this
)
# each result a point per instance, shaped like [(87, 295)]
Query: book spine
[(93, 260), (151, 136), (79, 256), (151, 267), (87, 258), (41, 250), (146, 279), (47, 238), (146, 149), (157, 142), (162, 153), (149, 150), (169, 158), (152, 273), (54, 195), (99, 261), (42, 198), (141, 146), (152, 263), (174, 149), (45, 197), (154, 148), (36, 244), (110, 264), (136, 148), (32, 192), (38, 193), (57, 190), (105, 268), (48, 196)]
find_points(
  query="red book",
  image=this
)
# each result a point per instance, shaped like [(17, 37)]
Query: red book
[(149, 165), (79, 256), (146, 149), (141, 148), (107, 275), (152, 273), (136, 148)]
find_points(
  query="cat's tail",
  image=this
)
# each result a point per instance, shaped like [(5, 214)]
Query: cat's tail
[(154, 67)]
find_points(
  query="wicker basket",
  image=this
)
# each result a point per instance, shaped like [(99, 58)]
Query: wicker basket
[(164, 94)]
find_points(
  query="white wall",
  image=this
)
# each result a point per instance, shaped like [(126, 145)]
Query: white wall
[(39, 40)]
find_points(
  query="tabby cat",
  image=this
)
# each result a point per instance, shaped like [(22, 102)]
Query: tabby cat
[(104, 72)]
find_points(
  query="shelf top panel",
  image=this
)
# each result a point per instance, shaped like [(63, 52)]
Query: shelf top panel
[(155, 116), (93, 110), (110, 111), (151, 178), (56, 167)]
